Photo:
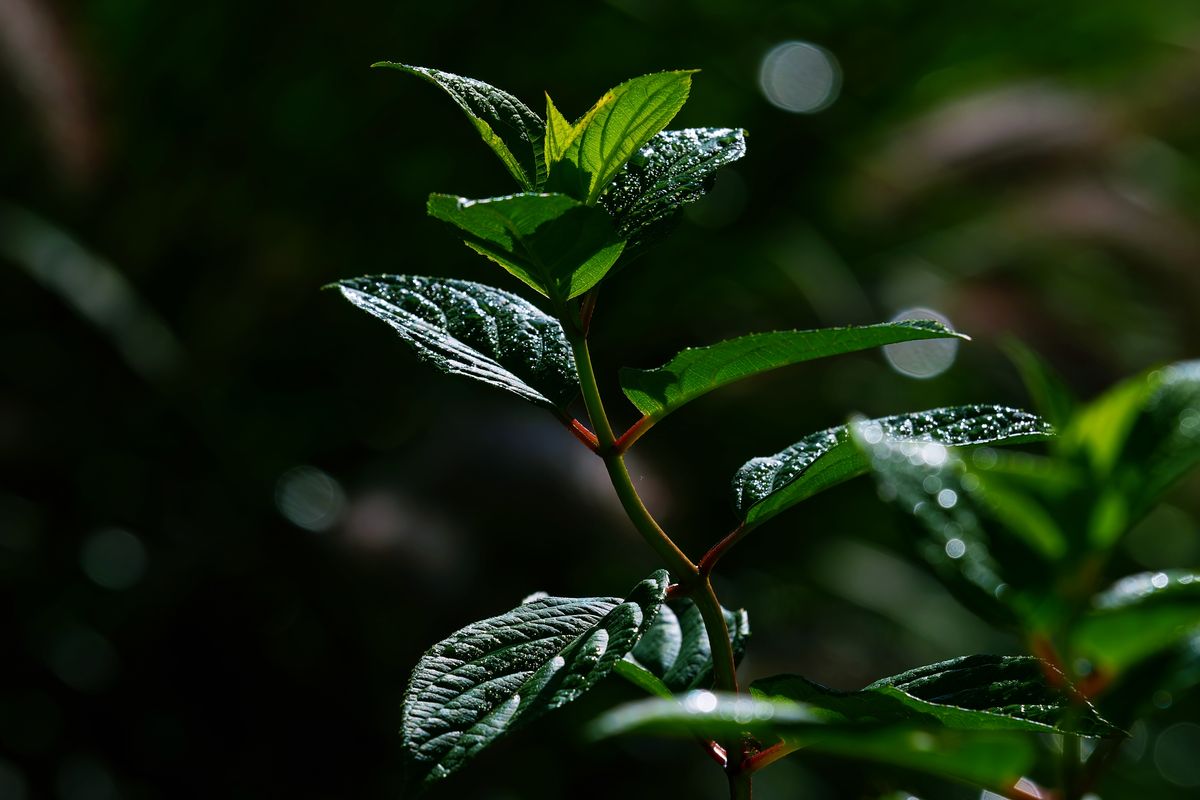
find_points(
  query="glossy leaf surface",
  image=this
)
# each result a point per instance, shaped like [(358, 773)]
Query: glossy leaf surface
[(556, 245), (699, 370), (465, 328), (765, 486), (968, 693), (498, 674), (673, 169), (615, 128), (1137, 617), (508, 126), (675, 656)]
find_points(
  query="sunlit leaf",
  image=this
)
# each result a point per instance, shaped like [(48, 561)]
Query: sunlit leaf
[(765, 486), (498, 674), (510, 129), (673, 169), (698, 370), (556, 245), (465, 328), (1137, 617), (618, 125), (674, 655)]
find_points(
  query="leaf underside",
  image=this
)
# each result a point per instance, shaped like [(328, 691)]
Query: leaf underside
[(498, 674), (675, 655), (465, 328), (508, 126), (698, 370), (765, 486), (1137, 617)]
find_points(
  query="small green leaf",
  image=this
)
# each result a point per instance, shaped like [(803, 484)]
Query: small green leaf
[(673, 169), (511, 129), (994, 759), (1139, 616), (616, 127), (465, 328), (498, 674), (970, 693), (556, 245), (699, 370), (765, 486), (675, 655), (560, 134), (1051, 397)]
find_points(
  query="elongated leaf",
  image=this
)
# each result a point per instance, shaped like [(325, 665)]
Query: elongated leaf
[(465, 328), (1141, 615), (1051, 397), (674, 655), (507, 125), (968, 693), (616, 127), (556, 245), (698, 370), (673, 169), (765, 486), (995, 759), (496, 675)]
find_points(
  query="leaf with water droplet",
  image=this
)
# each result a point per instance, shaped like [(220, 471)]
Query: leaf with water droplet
[(1137, 617), (465, 328), (699, 370), (506, 125), (765, 486), (614, 130), (556, 245), (674, 655), (673, 169), (499, 674)]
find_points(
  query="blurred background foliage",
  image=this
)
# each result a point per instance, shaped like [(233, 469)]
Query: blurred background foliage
[(234, 512)]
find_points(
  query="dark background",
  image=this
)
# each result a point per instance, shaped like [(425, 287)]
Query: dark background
[(234, 511)]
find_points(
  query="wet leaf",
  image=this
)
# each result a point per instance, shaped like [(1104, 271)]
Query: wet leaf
[(1139, 616), (617, 126), (765, 486), (673, 169), (499, 674), (556, 245), (699, 370), (674, 655), (507, 125), (969, 693), (465, 328)]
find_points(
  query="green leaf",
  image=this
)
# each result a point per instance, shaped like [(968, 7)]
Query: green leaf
[(674, 655), (1051, 397), (556, 245), (989, 758), (765, 486), (616, 127), (1140, 616), (968, 693), (699, 370), (967, 718), (496, 675), (673, 169), (465, 328), (560, 134), (507, 125)]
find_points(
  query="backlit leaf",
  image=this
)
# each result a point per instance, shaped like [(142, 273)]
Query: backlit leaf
[(465, 328), (556, 245), (498, 674), (698, 370), (675, 655)]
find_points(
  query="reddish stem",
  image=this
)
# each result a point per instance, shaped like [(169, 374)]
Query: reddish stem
[(626, 439), (709, 562), (582, 433), (716, 752), (767, 757)]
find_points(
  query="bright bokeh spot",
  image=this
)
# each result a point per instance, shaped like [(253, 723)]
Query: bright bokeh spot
[(926, 358), (800, 77), (310, 498)]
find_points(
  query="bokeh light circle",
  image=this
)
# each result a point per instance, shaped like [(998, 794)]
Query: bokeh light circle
[(800, 77)]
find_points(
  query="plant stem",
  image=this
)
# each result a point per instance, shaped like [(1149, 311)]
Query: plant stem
[(587, 385)]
